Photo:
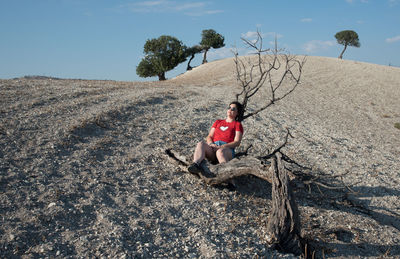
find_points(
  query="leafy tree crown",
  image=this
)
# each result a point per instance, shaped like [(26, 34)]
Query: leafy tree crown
[(348, 38), (211, 39), (161, 55), (193, 50)]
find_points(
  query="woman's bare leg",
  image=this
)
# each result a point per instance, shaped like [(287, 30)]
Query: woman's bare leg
[(224, 155), (203, 150)]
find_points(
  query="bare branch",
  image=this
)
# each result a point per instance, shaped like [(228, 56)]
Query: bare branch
[(265, 72), (278, 149)]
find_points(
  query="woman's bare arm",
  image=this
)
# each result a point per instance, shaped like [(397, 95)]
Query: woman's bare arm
[(210, 136), (236, 142)]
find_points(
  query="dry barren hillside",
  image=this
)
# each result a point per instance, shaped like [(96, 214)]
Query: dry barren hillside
[(83, 171)]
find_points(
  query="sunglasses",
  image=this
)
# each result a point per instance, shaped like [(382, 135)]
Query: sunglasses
[(232, 108)]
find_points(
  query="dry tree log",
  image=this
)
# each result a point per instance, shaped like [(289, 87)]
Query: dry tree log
[(283, 228), (220, 173)]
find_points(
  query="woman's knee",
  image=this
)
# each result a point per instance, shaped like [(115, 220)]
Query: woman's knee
[(222, 154), (200, 144)]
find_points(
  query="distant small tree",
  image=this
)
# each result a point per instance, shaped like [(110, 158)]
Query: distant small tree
[(161, 55), (347, 38), (191, 52), (211, 39)]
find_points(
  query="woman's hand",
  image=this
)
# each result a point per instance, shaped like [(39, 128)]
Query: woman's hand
[(214, 147)]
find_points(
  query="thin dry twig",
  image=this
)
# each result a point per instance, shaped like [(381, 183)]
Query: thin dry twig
[(278, 149), (254, 76)]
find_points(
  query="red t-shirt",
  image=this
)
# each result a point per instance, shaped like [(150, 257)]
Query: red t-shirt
[(225, 131)]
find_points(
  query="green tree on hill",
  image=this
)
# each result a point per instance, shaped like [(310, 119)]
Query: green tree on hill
[(211, 39), (161, 55), (347, 38)]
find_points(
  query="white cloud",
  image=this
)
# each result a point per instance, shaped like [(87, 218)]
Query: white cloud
[(394, 39), (220, 53), (253, 34), (214, 11), (393, 2), (187, 6), (317, 45), (249, 34), (306, 20), (252, 37), (201, 12), (152, 3), (353, 1), (163, 6)]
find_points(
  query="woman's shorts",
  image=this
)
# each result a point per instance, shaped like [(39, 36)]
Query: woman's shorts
[(220, 143)]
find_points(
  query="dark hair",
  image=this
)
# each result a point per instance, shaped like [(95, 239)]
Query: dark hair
[(239, 107)]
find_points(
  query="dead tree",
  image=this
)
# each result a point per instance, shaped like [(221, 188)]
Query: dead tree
[(283, 228), (274, 71), (276, 74)]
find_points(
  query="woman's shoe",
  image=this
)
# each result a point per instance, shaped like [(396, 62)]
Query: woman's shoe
[(194, 168)]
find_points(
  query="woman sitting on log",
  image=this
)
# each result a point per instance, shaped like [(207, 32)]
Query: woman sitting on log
[(223, 138)]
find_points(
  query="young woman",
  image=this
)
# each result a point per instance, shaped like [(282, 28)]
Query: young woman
[(223, 138)]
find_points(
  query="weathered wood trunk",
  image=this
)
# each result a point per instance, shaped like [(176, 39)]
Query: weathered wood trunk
[(220, 173), (283, 229), (246, 166)]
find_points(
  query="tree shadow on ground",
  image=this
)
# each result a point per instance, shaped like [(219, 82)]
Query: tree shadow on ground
[(333, 195), (249, 185), (330, 195)]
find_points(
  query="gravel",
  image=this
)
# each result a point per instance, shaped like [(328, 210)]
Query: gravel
[(83, 170)]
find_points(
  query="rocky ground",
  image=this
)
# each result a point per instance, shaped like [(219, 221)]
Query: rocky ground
[(83, 170)]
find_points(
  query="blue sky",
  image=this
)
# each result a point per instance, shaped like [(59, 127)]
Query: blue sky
[(102, 39)]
